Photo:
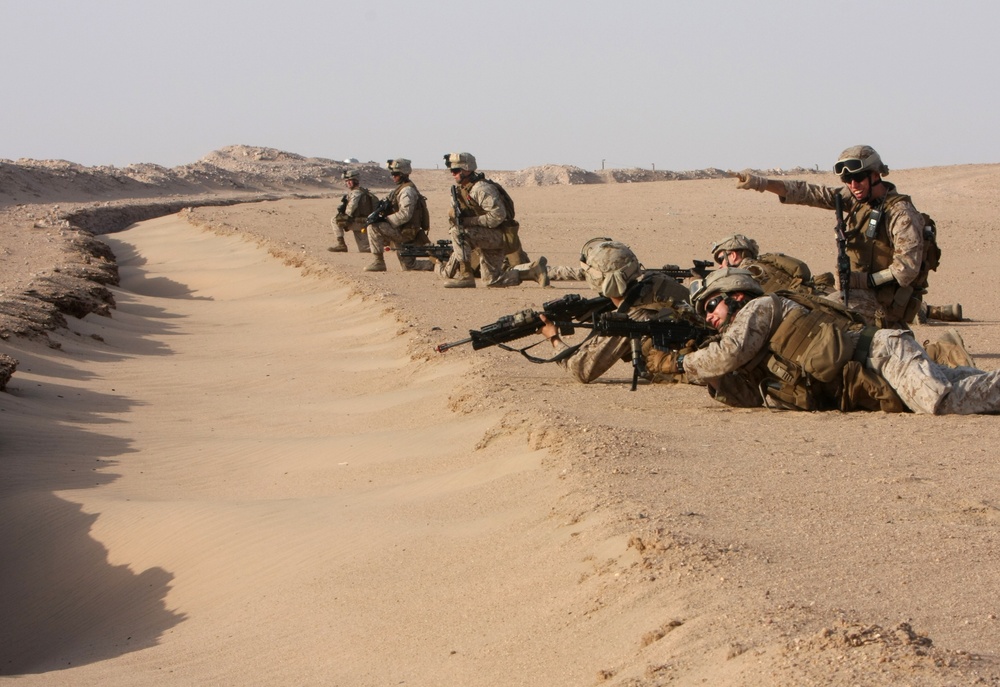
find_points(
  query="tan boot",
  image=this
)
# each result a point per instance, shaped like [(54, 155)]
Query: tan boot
[(949, 350), (377, 265), (341, 247), (945, 313), (462, 280), (411, 264), (537, 271)]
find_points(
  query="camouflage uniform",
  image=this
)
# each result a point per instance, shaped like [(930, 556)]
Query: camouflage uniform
[(566, 273), (404, 206), (898, 246), (659, 296), (486, 228), (353, 219), (921, 384)]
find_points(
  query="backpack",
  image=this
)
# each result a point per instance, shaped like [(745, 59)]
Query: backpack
[(508, 202), (932, 252), (422, 215), (366, 205)]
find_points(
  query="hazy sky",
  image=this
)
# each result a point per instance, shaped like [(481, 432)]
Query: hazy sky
[(678, 85)]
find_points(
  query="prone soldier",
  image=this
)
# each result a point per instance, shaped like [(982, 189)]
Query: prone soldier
[(613, 271), (782, 351)]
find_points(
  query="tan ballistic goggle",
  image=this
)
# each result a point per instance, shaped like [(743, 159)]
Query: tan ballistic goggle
[(849, 166)]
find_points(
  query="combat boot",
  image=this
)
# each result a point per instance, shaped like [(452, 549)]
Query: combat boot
[(377, 264), (949, 350), (945, 313), (462, 280), (411, 264), (537, 271), (341, 246)]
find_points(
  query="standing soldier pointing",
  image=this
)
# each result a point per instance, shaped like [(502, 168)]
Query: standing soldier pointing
[(889, 252)]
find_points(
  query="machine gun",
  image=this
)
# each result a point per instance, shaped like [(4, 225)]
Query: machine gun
[(379, 213), (565, 312), (666, 334), (441, 250), (700, 269), (843, 260)]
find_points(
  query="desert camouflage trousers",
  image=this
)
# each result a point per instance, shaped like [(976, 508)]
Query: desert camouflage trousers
[(356, 228), (926, 387), (566, 273), (490, 245)]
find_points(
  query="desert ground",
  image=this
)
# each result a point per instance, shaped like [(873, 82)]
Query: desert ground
[(234, 457)]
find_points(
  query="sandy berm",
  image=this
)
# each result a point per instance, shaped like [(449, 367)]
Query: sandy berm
[(254, 468)]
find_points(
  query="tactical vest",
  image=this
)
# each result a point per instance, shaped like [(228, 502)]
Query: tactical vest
[(812, 364), (420, 221), (509, 227), (875, 254), (470, 205)]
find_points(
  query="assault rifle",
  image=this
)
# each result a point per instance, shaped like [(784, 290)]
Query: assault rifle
[(843, 260), (441, 250), (700, 269), (378, 214), (564, 312), (665, 334), (456, 209), (342, 208)]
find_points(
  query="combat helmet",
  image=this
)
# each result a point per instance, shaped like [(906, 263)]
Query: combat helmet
[(737, 242), (610, 266), (399, 166), (723, 280), (466, 161), (350, 174), (859, 159)]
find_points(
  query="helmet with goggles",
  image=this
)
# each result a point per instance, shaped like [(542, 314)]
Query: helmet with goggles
[(466, 161), (399, 166), (858, 160)]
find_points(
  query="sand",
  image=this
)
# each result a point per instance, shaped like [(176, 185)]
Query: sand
[(257, 471)]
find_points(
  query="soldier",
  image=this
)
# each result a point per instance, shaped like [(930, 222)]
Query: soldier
[(890, 254), (773, 271), (613, 270), (354, 208), (486, 223), (780, 351), (406, 220), (777, 271)]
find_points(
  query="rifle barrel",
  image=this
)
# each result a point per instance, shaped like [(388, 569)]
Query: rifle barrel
[(441, 348)]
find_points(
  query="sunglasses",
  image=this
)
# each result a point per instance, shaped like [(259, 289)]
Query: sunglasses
[(848, 177), (713, 304)]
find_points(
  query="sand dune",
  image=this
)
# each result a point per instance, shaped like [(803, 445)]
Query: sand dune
[(268, 478), (257, 471)]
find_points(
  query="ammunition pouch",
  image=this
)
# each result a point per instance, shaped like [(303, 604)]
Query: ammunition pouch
[(865, 390), (511, 242)]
